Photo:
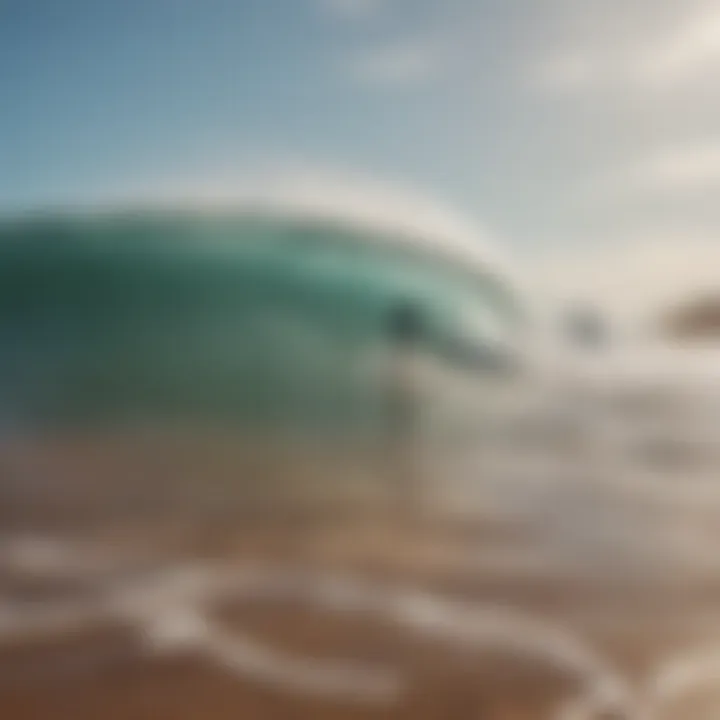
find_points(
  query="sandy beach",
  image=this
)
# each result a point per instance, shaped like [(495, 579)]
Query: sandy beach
[(167, 591)]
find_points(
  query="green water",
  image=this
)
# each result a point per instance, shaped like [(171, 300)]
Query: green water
[(252, 318)]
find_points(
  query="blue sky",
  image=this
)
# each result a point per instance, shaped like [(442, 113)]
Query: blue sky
[(560, 125)]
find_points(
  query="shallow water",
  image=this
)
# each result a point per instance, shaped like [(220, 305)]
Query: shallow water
[(560, 561)]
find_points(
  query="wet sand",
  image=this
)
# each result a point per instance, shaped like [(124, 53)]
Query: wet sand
[(105, 669), (620, 572)]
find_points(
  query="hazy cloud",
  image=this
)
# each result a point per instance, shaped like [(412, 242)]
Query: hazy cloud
[(637, 47), (678, 170), (351, 9), (679, 167), (564, 73), (401, 63)]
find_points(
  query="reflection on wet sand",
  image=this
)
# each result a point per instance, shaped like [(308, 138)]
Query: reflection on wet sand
[(209, 579)]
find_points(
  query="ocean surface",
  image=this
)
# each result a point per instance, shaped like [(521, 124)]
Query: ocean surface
[(215, 503), (561, 563)]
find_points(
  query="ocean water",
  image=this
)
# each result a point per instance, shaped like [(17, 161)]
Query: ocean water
[(585, 549), (168, 408), (247, 317)]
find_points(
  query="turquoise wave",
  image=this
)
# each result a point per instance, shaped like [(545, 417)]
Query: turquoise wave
[(246, 317)]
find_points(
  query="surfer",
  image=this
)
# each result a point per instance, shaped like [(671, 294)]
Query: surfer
[(405, 333)]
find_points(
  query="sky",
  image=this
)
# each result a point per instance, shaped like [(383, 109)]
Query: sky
[(582, 135)]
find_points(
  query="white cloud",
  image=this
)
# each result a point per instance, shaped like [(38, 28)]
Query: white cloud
[(564, 73), (352, 9), (690, 49), (402, 63), (682, 167), (635, 51)]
